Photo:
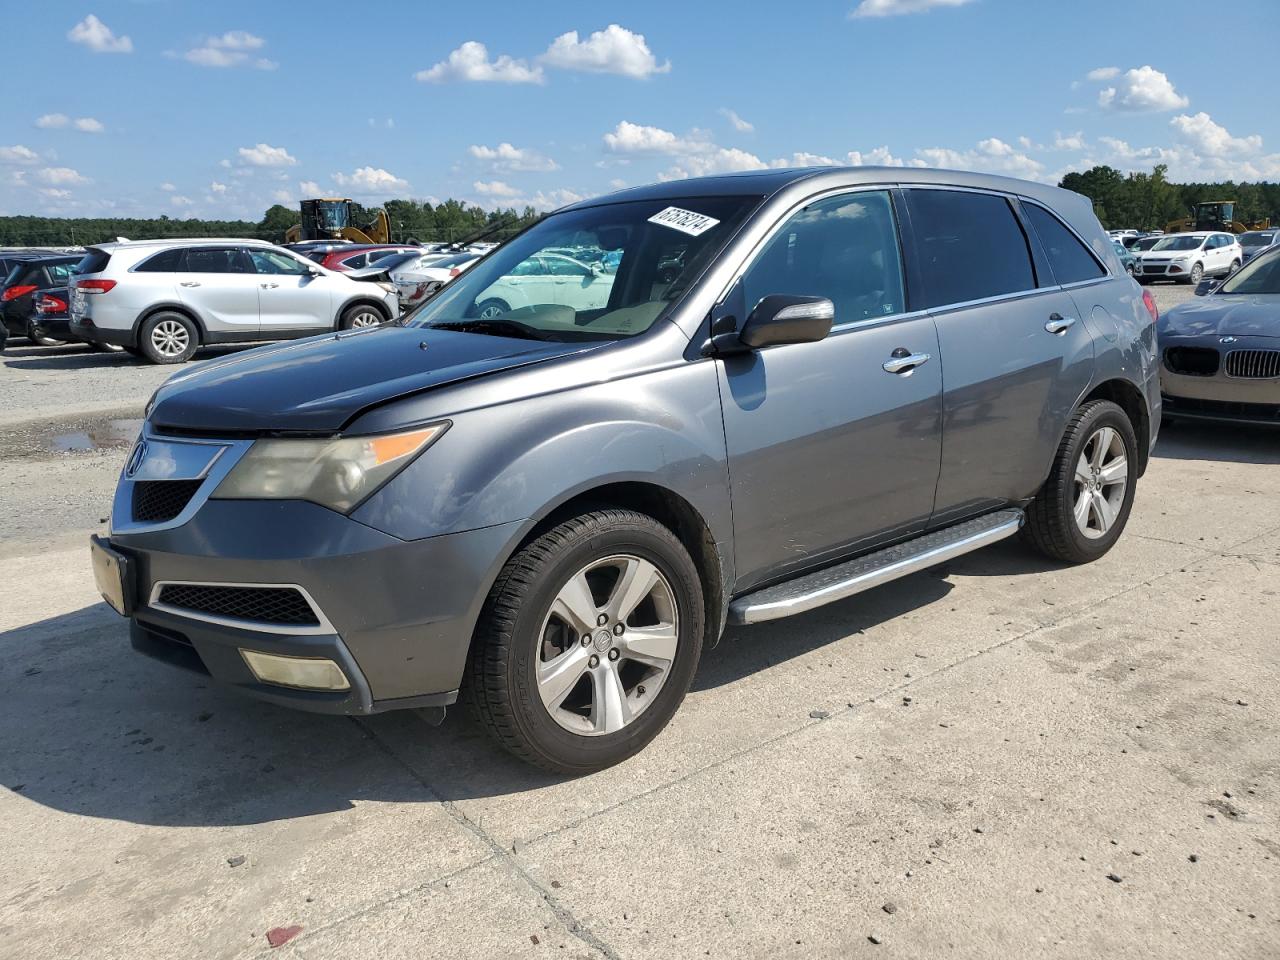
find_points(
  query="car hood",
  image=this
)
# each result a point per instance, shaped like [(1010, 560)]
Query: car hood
[(1224, 315), (320, 384)]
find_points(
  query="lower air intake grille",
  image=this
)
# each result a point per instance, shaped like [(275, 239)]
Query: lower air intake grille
[(158, 501), (1192, 361), (279, 606), (1254, 364)]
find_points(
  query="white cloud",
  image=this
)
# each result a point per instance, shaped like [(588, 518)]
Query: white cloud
[(18, 154), (54, 193), (736, 121), (89, 125), (388, 123), (283, 196), (1185, 164), (1205, 136), (60, 176), (97, 36), (877, 157), (1143, 89), (370, 180), (470, 62), (553, 199), (614, 49), (181, 201), (992, 155), (495, 188), (507, 157), (234, 48), (52, 121), (617, 183), (1069, 141), (263, 155), (309, 188), (1103, 73), (168, 187), (893, 8), (216, 187), (698, 155)]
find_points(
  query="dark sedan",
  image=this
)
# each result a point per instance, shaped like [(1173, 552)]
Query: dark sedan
[(17, 303), (1220, 353)]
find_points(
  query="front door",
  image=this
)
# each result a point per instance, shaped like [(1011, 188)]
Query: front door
[(290, 298), (829, 451)]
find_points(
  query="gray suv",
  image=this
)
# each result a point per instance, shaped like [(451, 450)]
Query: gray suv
[(786, 387), (162, 299)]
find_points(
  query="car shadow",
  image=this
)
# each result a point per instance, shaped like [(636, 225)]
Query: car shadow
[(84, 358), (1230, 442)]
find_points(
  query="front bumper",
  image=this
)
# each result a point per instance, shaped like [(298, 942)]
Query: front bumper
[(401, 612), (1217, 396)]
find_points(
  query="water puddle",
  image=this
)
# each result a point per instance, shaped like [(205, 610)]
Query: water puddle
[(99, 435)]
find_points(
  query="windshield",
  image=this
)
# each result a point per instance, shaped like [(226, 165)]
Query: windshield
[(455, 260), (1146, 243), (1260, 275), (597, 273), (1256, 239), (332, 216), (1179, 243)]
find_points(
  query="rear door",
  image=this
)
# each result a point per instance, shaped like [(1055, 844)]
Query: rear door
[(830, 451), (219, 284), (290, 299), (1016, 352)]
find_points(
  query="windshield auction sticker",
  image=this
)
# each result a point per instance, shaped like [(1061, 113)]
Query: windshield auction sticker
[(686, 221)]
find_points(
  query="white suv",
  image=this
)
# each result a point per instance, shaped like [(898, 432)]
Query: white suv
[(161, 299), (1187, 257)]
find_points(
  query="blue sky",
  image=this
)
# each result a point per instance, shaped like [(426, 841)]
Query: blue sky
[(143, 107)]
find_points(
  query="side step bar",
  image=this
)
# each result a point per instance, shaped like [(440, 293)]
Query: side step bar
[(854, 576)]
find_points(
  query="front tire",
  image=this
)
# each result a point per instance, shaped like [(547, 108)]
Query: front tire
[(168, 337), (588, 642), (491, 308), (1197, 274), (1083, 507), (358, 316)]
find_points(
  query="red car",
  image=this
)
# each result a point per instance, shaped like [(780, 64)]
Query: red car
[(361, 255)]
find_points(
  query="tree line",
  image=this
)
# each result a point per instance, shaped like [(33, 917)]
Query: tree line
[(410, 220), (1148, 201)]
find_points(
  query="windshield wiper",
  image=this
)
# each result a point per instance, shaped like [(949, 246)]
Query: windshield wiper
[(493, 326)]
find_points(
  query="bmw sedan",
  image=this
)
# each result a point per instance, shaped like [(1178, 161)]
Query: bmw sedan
[(1220, 353)]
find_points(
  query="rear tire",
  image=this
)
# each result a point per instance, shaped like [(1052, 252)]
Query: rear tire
[(1082, 508), (602, 704), (168, 337)]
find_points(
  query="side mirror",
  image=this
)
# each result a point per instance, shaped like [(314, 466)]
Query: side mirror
[(1206, 287), (779, 319), (597, 269)]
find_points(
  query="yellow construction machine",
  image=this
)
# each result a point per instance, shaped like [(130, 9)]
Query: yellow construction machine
[(329, 218), (1215, 215)]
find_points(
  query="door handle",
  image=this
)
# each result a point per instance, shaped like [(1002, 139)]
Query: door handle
[(1059, 324), (903, 361), (189, 283), (269, 286)]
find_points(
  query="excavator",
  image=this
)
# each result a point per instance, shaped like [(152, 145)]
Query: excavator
[(1215, 215), (329, 218)]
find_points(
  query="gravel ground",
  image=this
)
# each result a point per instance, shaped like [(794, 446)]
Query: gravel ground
[(996, 758)]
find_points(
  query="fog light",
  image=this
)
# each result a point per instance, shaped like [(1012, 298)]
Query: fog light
[(309, 673)]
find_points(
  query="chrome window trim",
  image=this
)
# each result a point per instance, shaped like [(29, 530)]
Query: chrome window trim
[(965, 304), (324, 628)]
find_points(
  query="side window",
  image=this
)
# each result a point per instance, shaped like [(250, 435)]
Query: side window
[(843, 248), (1068, 257), (529, 268), (356, 262), (166, 261), (564, 267), (59, 273), (970, 244), (215, 260), (269, 261)]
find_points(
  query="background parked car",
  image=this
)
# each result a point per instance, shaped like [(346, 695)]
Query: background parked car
[(1254, 242), (1126, 256), (1220, 352), (1187, 257), (23, 280), (161, 299), (317, 250), (548, 278), (361, 255)]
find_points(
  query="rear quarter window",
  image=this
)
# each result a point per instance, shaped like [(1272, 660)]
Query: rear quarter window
[(971, 246), (1069, 259)]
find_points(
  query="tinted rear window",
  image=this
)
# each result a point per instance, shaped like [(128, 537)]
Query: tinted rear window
[(166, 261), (971, 246), (95, 261), (1070, 260)]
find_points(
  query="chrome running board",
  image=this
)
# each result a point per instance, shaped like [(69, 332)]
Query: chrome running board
[(854, 576)]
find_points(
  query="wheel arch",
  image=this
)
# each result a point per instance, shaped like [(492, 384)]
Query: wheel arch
[(169, 307), (1130, 399)]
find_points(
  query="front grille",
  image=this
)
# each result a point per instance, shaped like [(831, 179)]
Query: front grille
[(1148, 268), (1192, 361), (1254, 364), (158, 501), (278, 606)]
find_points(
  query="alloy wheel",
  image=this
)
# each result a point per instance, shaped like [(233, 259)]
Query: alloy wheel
[(607, 645), (170, 338), (366, 318), (1102, 477)]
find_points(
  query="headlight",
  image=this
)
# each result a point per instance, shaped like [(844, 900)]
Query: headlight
[(337, 473)]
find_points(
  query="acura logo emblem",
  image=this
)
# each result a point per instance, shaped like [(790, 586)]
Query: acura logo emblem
[(135, 458), (1227, 340)]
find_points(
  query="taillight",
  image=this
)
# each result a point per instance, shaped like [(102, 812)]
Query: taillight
[(51, 304), (13, 293), (1149, 302), (454, 272), (94, 286)]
